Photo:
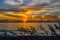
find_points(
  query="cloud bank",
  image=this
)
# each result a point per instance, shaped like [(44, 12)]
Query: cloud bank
[(13, 2), (36, 2), (32, 2)]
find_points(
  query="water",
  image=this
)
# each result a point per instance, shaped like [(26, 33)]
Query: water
[(27, 26), (13, 26)]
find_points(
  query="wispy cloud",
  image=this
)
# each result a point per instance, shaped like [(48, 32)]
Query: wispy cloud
[(32, 2), (35, 2), (12, 2)]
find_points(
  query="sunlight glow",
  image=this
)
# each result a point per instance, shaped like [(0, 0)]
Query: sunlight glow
[(24, 17), (30, 11)]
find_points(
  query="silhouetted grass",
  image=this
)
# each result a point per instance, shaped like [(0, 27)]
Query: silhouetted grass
[(13, 33), (52, 30), (43, 30), (23, 30), (33, 31), (56, 26)]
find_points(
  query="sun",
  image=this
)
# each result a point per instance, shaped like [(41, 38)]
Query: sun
[(24, 17)]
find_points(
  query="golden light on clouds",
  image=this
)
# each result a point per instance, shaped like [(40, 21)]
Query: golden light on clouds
[(24, 17)]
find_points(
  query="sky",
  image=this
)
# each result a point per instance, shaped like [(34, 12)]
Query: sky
[(16, 2)]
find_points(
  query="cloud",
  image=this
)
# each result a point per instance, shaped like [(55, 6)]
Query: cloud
[(35, 2), (32, 2), (12, 2)]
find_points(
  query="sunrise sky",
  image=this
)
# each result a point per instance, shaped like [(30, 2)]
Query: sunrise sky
[(26, 2), (52, 9)]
